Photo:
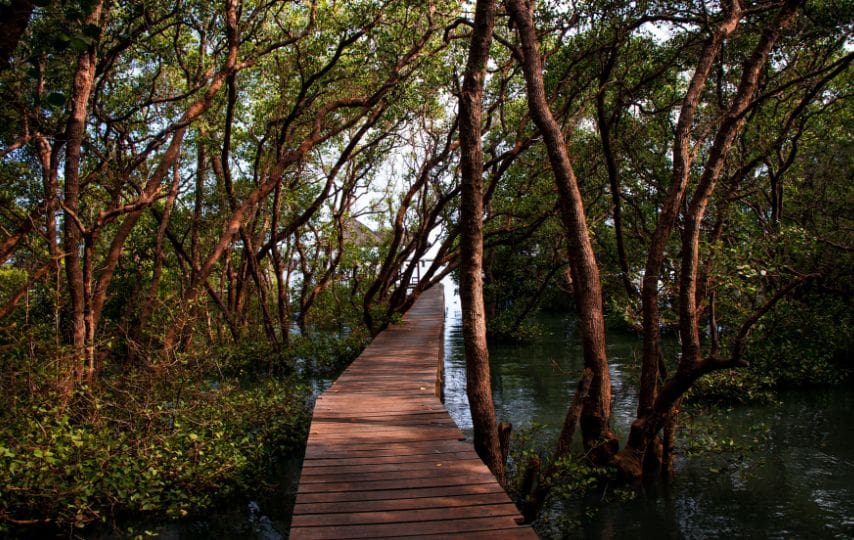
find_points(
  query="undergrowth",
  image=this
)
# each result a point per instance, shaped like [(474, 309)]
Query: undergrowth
[(143, 444)]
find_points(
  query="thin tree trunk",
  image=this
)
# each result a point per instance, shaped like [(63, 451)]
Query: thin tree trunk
[(12, 303), (670, 209), (89, 323), (534, 300), (186, 258), (147, 307), (692, 365), (478, 382), (668, 440), (305, 278), (49, 157), (223, 170), (536, 494), (394, 256), (613, 176), (689, 328), (199, 197), (84, 75), (282, 306), (567, 432)]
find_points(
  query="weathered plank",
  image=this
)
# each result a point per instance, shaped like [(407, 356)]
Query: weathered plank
[(403, 516), (377, 461), (452, 501), (446, 527), (384, 459), (304, 500)]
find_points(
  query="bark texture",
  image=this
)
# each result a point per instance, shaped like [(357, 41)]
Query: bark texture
[(658, 407), (587, 289), (84, 76), (682, 159), (478, 383)]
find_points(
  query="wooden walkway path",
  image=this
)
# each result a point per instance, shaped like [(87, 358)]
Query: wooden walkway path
[(384, 459)]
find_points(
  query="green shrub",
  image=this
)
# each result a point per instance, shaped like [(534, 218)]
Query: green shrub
[(505, 328), (801, 343), (733, 386), (170, 450)]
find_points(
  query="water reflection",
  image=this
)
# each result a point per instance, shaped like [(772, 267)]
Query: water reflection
[(534, 382), (793, 478)]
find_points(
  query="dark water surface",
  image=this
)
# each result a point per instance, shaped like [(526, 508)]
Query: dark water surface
[(784, 470)]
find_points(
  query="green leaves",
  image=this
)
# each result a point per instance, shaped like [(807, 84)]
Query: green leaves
[(79, 41), (57, 99), (73, 465), (92, 31)]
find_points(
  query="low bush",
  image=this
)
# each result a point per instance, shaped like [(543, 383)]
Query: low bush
[(171, 448), (800, 344)]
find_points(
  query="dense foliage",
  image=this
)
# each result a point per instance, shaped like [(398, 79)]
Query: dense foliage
[(198, 199), (171, 449)]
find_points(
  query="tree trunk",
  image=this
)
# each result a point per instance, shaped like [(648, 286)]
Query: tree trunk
[(282, 300), (150, 298), (49, 157), (595, 417), (478, 382), (199, 198), (657, 409), (682, 158), (689, 313), (14, 19), (84, 75), (613, 175)]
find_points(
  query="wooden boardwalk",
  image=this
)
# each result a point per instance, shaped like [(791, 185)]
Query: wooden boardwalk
[(384, 459)]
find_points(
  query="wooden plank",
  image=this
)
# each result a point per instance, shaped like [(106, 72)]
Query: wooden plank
[(512, 533), (345, 448), (390, 416), (413, 433), (388, 467), (398, 494), (384, 530), (451, 501), (416, 417), (404, 516), (380, 461), (379, 400), (397, 440), (331, 429), (470, 468), (384, 459), (368, 409), (380, 449), (395, 483)]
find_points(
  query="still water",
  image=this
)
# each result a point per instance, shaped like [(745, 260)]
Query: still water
[(788, 471)]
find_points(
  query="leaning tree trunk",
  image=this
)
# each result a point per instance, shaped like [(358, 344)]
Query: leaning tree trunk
[(596, 412), (605, 124), (657, 409), (682, 158), (478, 384)]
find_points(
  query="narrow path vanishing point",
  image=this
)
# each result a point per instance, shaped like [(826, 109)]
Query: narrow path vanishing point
[(384, 459)]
